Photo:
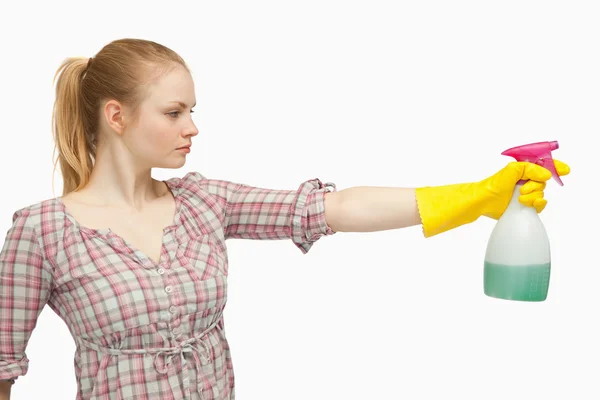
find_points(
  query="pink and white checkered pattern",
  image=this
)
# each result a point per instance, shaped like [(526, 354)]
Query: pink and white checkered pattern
[(144, 330)]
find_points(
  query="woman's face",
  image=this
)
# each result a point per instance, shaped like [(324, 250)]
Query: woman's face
[(164, 124)]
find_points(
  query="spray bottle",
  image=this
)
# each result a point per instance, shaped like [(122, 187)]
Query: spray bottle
[(517, 259)]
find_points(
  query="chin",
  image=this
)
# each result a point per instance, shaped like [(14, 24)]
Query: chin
[(170, 165)]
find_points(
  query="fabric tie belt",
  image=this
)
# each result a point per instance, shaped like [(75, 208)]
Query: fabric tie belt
[(187, 346)]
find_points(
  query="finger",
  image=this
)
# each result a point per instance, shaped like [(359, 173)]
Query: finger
[(532, 186), (531, 198), (540, 204), (561, 168), (535, 172)]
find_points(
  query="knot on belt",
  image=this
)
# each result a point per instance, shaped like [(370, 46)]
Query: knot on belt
[(199, 351), (186, 346)]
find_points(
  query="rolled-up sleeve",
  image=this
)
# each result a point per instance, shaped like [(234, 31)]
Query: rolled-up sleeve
[(258, 213), (25, 285)]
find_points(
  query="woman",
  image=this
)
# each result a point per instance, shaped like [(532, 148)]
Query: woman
[(138, 267)]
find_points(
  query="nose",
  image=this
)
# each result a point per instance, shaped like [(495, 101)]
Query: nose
[(191, 131)]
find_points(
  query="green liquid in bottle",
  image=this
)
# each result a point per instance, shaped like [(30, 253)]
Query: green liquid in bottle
[(520, 282)]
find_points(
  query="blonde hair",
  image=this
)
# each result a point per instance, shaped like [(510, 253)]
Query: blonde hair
[(122, 70)]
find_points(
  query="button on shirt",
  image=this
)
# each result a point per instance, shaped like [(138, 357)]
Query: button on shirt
[(144, 330)]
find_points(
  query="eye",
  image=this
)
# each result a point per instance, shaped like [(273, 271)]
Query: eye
[(177, 112)]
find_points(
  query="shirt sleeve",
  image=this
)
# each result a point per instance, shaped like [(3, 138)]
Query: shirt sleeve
[(25, 282), (258, 213)]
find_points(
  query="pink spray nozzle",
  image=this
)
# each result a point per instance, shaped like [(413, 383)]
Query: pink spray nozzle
[(539, 153)]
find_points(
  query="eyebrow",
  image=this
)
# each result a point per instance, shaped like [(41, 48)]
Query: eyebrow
[(182, 104)]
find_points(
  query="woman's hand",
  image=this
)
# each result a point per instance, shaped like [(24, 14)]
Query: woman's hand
[(500, 186), (442, 208)]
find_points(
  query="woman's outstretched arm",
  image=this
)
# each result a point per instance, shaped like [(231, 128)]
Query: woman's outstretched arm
[(438, 208)]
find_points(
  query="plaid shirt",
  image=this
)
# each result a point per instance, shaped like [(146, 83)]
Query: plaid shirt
[(144, 330)]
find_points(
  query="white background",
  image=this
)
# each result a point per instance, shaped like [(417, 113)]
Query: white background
[(375, 93)]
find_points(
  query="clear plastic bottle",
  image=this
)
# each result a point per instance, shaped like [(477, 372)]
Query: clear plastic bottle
[(517, 260)]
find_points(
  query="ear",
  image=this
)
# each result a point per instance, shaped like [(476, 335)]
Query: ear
[(114, 116)]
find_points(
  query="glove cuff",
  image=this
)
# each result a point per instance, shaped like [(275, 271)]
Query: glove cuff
[(446, 207)]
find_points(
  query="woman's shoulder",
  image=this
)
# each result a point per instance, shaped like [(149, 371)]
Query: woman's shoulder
[(196, 186), (40, 216), (33, 211)]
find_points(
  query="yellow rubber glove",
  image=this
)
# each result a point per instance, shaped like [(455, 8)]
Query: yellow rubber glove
[(446, 207)]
